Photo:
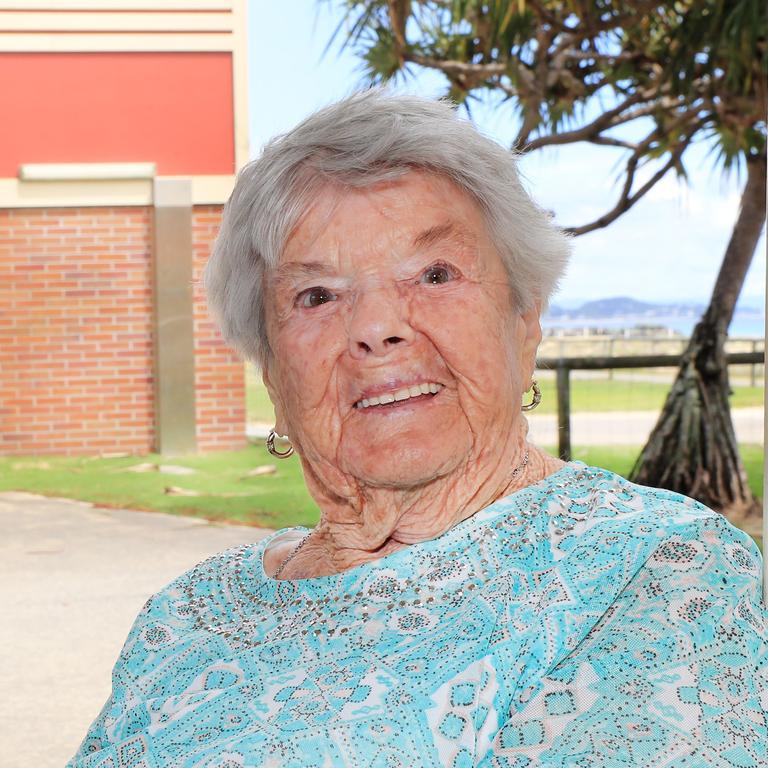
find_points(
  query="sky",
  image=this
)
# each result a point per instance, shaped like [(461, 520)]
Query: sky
[(668, 248)]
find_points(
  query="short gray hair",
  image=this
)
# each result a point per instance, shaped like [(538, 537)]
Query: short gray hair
[(370, 137)]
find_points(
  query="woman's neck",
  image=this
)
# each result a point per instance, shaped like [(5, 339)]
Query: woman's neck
[(374, 522)]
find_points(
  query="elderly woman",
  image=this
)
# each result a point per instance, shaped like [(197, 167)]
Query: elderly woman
[(465, 599)]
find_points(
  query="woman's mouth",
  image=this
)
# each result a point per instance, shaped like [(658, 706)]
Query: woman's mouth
[(425, 390)]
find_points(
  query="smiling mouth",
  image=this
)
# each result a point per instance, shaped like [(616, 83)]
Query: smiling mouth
[(425, 390)]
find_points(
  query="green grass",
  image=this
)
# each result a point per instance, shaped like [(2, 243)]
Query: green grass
[(258, 406), (587, 395), (596, 395), (226, 492)]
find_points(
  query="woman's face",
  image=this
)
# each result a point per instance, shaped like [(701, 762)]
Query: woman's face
[(398, 357)]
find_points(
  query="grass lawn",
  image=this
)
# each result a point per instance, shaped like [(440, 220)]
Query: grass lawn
[(586, 395), (258, 406), (597, 395), (226, 491)]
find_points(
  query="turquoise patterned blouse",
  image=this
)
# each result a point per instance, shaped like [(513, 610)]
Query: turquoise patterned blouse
[(582, 621)]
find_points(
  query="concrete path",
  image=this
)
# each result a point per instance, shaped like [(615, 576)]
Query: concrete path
[(629, 427), (73, 578)]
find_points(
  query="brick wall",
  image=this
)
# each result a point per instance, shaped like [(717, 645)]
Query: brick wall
[(75, 331), (219, 373), (75, 335)]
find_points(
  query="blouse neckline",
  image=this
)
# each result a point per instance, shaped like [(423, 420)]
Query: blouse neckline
[(345, 580)]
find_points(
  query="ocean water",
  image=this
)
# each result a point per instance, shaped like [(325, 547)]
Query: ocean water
[(743, 325)]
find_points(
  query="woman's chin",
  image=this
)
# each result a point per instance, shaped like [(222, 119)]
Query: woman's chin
[(405, 445), (405, 459)]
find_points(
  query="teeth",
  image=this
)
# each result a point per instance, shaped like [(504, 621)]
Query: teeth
[(405, 393)]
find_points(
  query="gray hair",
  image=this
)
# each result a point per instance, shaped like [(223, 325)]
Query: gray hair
[(368, 138)]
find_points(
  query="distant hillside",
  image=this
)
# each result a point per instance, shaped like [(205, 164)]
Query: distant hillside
[(622, 306)]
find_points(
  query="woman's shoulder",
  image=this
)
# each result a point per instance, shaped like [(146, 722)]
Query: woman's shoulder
[(608, 499), (604, 539), (637, 526), (649, 610), (211, 591)]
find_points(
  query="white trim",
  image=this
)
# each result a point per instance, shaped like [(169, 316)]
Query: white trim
[(172, 193), (209, 190), (15, 193), (240, 82), (85, 171), (116, 5), (218, 21), (66, 42)]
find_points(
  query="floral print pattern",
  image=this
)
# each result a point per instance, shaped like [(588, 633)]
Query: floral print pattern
[(582, 621)]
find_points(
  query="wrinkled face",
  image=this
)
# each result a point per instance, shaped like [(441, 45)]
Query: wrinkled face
[(398, 357)]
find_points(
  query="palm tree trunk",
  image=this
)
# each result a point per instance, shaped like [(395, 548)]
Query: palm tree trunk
[(693, 448)]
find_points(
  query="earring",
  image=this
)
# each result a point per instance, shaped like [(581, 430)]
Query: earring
[(536, 397), (270, 441)]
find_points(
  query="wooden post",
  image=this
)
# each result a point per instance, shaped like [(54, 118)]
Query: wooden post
[(564, 411), (610, 354)]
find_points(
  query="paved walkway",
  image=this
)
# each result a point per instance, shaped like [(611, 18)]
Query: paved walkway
[(629, 427), (73, 578)]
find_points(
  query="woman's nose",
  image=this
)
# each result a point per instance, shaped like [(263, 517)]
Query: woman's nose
[(378, 323)]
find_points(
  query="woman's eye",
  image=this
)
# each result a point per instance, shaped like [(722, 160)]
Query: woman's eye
[(437, 274), (314, 297)]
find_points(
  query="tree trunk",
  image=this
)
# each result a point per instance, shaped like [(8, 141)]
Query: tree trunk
[(693, 448)]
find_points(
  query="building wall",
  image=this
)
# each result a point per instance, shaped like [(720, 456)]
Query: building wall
[(174, 109), (76, 351), (119, 116), (219, 373)]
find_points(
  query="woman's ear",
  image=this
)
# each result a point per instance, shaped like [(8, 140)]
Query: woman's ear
[(274, 395)]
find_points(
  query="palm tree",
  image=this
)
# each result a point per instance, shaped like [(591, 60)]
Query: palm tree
[(682, 71)]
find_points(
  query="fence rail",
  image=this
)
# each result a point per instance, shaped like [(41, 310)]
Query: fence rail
[(564, 365)]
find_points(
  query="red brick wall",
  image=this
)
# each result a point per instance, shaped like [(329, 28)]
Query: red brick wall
[(75, 335), (75, 331), (219, 373)]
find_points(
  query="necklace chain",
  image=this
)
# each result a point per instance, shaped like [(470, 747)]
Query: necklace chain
[(515, 472), (291, 555)]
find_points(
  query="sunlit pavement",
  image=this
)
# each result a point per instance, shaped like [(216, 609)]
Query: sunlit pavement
[(73, 579), (629, 427)]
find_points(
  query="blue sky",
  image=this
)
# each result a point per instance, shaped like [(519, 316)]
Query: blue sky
[(667, 248)]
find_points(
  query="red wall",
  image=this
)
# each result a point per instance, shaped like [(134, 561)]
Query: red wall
[(174, 109)]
